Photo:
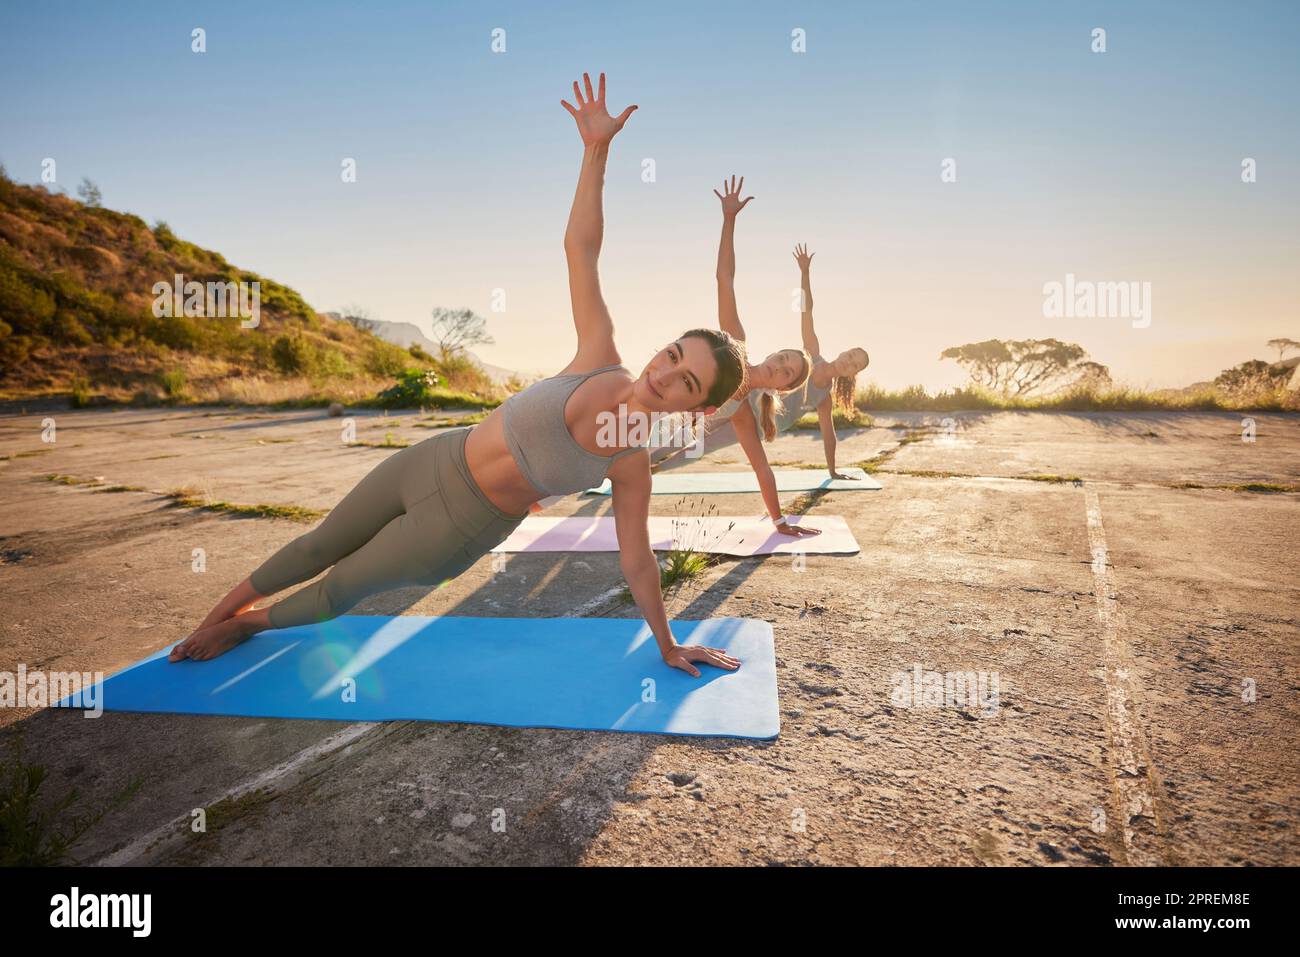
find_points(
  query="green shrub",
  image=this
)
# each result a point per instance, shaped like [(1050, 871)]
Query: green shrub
[(292, 355), (38, 830), (174, 384), (332, 363), (79, 392), (414, 388), (178, 332), (461, 372), (68, 329), (26, 306), (386, 359)]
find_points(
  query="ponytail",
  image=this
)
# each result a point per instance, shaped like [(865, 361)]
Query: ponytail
[(842, 390), (769, 406)]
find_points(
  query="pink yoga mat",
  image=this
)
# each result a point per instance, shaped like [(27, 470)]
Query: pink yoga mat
[(714, 535)]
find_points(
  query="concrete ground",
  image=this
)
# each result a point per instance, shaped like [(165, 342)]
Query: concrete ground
[(1145, 640)]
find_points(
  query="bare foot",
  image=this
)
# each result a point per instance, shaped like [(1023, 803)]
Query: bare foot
[(213, 641)]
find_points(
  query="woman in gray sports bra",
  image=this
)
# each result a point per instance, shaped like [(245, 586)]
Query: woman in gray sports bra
[(427, 513)]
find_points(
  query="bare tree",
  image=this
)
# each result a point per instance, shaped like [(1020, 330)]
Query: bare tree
[(1027, 366), (457, 329), (359, 316), (1283, 346), (89, 192)]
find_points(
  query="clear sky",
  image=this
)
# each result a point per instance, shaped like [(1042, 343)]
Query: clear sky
[(1115, 166)]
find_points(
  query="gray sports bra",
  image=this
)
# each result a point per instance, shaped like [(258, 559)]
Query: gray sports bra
[(547, 455)]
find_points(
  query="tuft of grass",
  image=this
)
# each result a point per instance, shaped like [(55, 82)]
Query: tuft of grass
[(446, 422), (1266, 488), (36, 836), (1054, 479), (682, 564), (692, 559), (389, 443), (71, 480), (190, 497), (931, 473), (796, 465), (24, 455)]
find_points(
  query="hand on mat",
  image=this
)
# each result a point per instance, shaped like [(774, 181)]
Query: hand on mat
[(802, 256), (785, 528), (681, 656), (594, 122), (731, 202)]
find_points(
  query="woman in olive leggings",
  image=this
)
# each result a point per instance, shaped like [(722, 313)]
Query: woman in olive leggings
[(431, 510)]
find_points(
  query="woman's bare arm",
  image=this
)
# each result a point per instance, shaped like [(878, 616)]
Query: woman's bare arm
[(586, 229), (804, 259), (747, 435), (630, 478), (732, 204), (826, 419)]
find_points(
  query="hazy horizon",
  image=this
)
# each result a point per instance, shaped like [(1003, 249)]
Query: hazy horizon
[(1111, 167)]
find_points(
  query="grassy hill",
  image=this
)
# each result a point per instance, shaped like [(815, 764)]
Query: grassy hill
[(77, 320)]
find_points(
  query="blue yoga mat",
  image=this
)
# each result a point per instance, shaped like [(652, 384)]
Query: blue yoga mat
[(584, 673), (687, 482)]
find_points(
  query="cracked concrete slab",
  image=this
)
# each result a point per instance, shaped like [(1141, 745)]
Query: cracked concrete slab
[(987, 575)]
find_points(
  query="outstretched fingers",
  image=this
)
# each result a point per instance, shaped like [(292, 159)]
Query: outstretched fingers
[(720, 658)]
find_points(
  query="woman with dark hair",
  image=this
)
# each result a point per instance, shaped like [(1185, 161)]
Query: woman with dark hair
[(429, 512)]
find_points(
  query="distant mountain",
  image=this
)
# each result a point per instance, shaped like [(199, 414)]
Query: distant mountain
[(407, 334)]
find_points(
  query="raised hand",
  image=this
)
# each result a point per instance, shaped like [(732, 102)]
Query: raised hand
[(595, 125), (682, 656), (731, 202), (803, 257)]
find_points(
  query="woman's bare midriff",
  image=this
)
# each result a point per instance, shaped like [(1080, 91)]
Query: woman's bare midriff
[(493, 467)]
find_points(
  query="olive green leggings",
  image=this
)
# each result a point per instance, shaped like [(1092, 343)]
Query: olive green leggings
[(417, 518)]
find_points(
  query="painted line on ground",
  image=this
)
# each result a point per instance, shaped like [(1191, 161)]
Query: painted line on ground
[(178, 827), (1134, 802)]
